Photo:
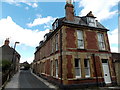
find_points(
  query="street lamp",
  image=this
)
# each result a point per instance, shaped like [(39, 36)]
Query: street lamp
[(14, 50), (13, 67)]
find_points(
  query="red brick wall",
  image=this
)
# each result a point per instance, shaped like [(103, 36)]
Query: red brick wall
[(46, 49), (107, 41), (47, 67), (70, 38), (69, 66), (79, 81), (91, 40), (98, 66)]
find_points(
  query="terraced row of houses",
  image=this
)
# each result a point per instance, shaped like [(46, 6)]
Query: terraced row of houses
[(76, 52)]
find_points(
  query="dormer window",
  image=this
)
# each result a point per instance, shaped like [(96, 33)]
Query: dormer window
[(45, 37), (55, 25), (91, 21)]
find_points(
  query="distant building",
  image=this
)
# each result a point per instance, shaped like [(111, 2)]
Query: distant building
[(116, 60), (75, 52), (8, 53), (24, 66)]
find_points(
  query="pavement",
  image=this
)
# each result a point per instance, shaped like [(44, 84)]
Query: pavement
[(14, 81)]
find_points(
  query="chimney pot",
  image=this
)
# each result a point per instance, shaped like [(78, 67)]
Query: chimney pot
[(69, 9), (7, 42)]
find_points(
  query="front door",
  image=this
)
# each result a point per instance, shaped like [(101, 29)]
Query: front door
[(106, 71)]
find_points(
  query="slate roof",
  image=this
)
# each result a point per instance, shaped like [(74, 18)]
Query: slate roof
[(82, 21)]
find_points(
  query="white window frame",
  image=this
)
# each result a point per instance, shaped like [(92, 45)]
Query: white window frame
[(56, 42), (51, 68), (91, 21), (80, 39), (52, 42), (87, 67), (77, 68), (101, 41), (56, 68)]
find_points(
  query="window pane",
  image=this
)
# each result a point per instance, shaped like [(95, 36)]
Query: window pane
[(91, 22), (77, 68), (87, 71), (87, 68), (104, 60), (56, 62), (85, 63), (56, 42), (79, 34), (77, 71), (101, 41), (76, 62), (80, 44), (80, 39)]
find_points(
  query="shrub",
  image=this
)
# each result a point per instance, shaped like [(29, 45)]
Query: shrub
[(6, 64)]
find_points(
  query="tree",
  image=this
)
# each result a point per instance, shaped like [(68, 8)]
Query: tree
[(5, 64)]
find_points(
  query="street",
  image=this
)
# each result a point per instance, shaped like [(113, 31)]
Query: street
[(25, 79)]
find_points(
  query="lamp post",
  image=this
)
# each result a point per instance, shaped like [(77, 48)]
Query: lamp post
[(13, 63)]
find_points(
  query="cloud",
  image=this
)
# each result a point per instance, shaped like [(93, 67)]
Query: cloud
[(28, 37), (34, 5), (40, 21), (100, 8), (113, 36), (113, 39), (35, 0)]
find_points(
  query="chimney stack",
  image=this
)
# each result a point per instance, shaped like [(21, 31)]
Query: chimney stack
[(7, 42), (69, 10)]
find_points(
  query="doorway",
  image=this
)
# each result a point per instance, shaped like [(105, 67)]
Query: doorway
[(106, 71)]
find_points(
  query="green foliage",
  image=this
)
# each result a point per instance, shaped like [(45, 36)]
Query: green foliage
[(6, 64), (26, 66)]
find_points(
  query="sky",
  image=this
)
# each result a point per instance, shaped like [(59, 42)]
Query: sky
[(27, 21)]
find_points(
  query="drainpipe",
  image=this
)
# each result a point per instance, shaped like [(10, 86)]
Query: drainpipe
[(61, 54), (93, 55)]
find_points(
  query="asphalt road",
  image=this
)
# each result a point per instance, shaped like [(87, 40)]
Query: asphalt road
[(27, 80)]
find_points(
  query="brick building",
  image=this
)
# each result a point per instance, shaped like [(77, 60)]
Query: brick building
[(75, 52), (10, 54)]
